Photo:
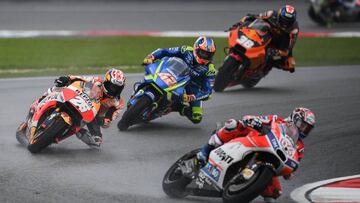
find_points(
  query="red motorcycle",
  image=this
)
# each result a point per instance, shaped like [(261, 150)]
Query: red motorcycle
[(60, 115), (239, 170)]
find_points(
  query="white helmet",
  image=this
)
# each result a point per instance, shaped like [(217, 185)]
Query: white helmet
[(304, 120)]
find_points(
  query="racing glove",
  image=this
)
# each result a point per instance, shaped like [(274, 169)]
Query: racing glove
[(148, 60), (290, 65), (106, 123), (188, 98), (62, 81), (253, 123)]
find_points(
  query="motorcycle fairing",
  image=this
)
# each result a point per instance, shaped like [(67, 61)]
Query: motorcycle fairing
[(166, 80), (87, 107), (48, 102), (223, 157), (159, 78)]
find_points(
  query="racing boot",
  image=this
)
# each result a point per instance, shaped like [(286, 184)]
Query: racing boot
[(272, 191), (92, 141), (194, 114)]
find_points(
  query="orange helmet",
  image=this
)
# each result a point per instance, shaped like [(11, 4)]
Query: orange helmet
[(114, 82), (204, 50)]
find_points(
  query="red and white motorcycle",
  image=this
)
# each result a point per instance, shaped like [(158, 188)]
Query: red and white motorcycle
[(239, 170)]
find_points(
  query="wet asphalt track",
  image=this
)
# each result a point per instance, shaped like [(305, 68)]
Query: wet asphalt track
[(143, 15), (130, 165)]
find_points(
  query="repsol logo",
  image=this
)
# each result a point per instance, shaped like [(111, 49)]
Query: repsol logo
[(223, 156), (85, 97)]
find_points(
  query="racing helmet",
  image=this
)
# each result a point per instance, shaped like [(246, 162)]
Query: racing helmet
[(304, 120), (204, 50), (286, 17), (114, 82)]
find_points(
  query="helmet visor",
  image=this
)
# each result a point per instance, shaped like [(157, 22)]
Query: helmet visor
[(205, 55), (285, 22), (112, 89), (304, 127)]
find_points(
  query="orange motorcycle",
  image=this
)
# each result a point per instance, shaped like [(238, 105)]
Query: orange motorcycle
[(247, 60), (60, 115)]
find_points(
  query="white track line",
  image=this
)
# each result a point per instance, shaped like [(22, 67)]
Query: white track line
[(298, 194), (335, 194)]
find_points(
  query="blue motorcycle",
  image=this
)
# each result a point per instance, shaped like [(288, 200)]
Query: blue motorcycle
[(162, 88)]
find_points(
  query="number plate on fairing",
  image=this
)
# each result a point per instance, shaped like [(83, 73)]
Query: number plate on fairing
[(212, 171)]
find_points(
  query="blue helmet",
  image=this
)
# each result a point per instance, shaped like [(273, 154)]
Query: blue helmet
[(287, 17)]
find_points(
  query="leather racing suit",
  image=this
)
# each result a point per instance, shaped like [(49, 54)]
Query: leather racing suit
[(202, 79)]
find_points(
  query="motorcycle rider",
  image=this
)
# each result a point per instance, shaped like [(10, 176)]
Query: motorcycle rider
[(302, 118), (110, 100), (199, 58), (284, 31)]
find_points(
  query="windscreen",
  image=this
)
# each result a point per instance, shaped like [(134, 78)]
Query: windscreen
[(177, 67), (260, 26), (92, 90), (291, 131)]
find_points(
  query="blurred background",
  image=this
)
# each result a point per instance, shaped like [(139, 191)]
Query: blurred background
[(22, 18)]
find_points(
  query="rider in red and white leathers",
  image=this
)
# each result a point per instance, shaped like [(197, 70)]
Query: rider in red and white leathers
[(302, 118), (111, 103)]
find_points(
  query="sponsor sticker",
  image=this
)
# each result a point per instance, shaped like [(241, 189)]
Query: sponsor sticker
[(212, 171)]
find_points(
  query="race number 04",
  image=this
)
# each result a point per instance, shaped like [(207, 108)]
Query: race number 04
[(80, 104), (245, 42)]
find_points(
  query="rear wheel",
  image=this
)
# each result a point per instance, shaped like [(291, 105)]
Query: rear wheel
[(174, 182), (225, 74), (45, 137), (133, 114), (238, 190)]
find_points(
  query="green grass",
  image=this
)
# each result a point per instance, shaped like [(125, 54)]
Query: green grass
[(56, 56)]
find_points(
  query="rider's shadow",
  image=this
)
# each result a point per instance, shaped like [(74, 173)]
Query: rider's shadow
[(74, 154), (161, 126)]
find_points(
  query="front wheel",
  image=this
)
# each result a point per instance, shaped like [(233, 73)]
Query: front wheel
[(133, 113), (45, 137), (225, 74), (174, 182), (245, 191)]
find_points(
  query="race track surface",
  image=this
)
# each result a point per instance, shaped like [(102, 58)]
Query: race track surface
[(130, 165), (143, 15)]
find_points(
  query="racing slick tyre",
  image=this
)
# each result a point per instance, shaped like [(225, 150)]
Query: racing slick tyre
[(224, 76), (244, 191), (47, 136), (133, 114), (174, 182)]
